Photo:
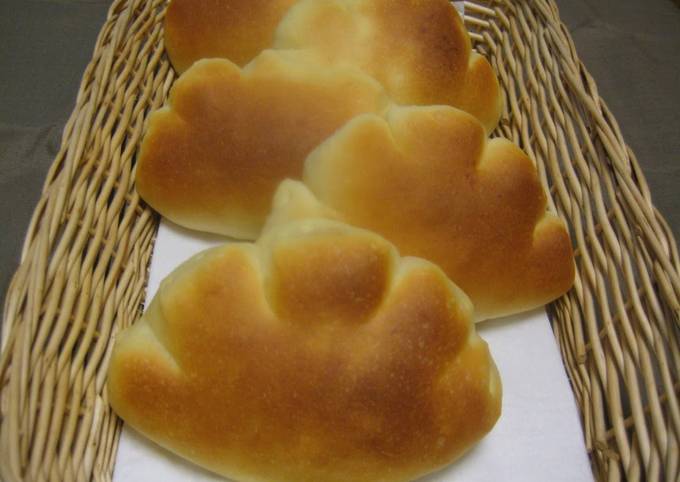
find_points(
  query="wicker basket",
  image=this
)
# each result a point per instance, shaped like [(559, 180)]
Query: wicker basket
[(84, 264)]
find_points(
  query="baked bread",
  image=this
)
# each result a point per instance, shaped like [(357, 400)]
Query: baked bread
[(237, 30), (427, 179), (316, 354), (418, 50), (212, 158)]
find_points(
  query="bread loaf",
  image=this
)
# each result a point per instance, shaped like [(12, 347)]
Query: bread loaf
[(315, 354), (418, 50), (212, 158), (427, 179)]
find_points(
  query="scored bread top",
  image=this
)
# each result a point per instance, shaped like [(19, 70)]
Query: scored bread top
[(428, 180), (237, 30), (317, 353), (212, 158), (418, 50)]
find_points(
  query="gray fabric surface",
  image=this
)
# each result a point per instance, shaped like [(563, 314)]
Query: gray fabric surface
[(44, 49), (632, 47)]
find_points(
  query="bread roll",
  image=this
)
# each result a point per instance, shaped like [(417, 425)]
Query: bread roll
[(315, 354), (212, 158), (427, 179), (237, 30), (418, 50)]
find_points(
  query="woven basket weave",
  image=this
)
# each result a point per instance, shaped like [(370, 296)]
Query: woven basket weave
[(84, 264)]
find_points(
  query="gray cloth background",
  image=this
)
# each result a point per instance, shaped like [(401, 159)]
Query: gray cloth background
[(632, 47)]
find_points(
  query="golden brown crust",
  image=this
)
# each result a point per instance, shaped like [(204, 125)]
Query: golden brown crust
[(480, 94), (237, 30), (227, 368), (427, 180), (212, 158), (328, 278), (418, 50)]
